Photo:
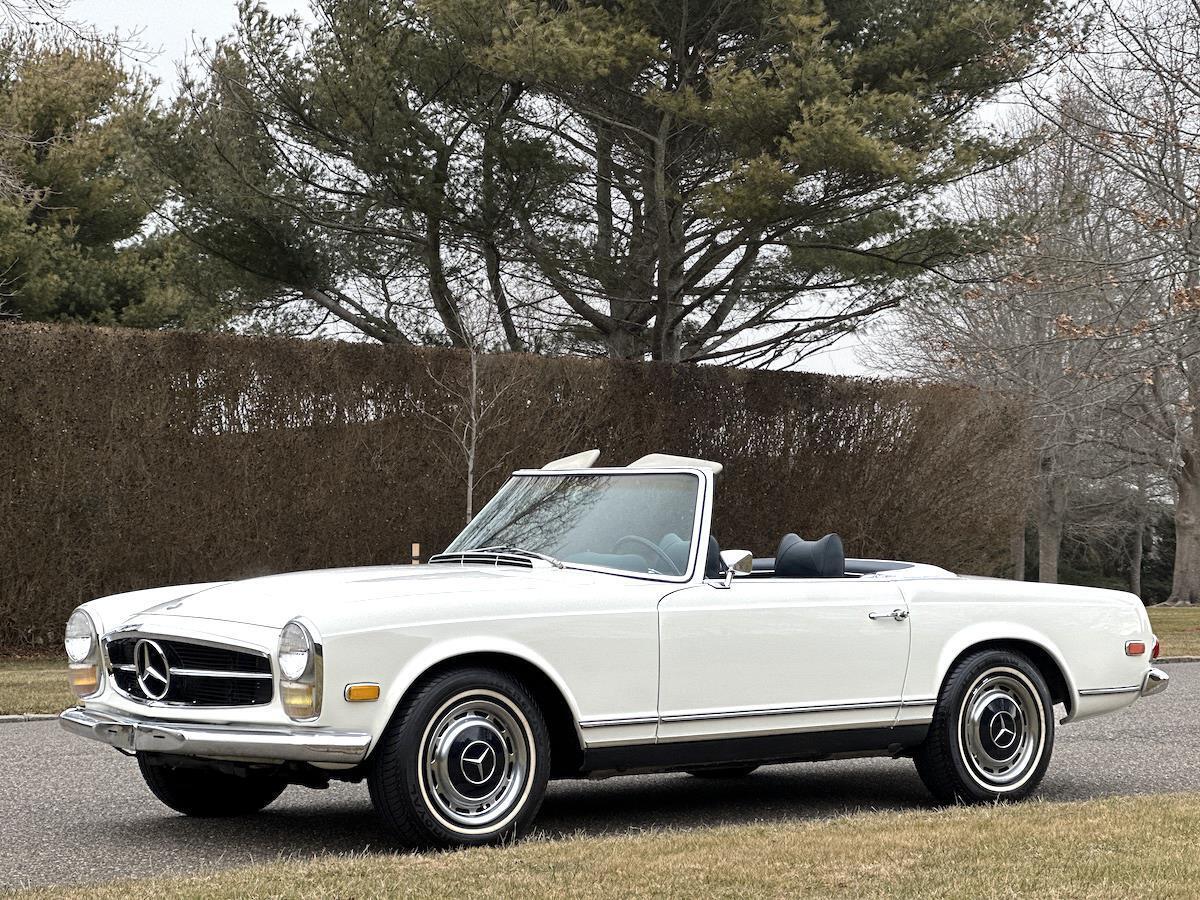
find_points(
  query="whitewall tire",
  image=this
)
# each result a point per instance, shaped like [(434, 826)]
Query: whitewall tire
[(992, 733), (465, 761)]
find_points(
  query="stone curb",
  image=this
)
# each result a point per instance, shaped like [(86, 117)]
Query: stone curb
[(1177, 659)]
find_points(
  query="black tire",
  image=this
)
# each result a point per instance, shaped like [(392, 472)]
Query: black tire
[(464, 761), (992, 733), (209, 793), (724, 772)]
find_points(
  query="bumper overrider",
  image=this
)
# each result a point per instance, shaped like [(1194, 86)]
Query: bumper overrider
[(235, 742), (1155, 682)]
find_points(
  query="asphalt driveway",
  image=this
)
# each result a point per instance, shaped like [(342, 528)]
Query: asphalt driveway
[(74, 811)]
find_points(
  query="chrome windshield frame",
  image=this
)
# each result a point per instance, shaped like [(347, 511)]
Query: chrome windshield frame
[(699, 522)]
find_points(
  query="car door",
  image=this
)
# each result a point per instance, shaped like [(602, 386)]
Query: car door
[(773, 655)]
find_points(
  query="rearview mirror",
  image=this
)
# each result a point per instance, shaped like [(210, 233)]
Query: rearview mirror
[(736, 562)]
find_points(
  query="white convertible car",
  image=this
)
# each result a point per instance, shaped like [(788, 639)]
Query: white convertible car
[(587, 623)]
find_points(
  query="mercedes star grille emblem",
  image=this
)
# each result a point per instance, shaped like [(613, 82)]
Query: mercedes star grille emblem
[(153, 670)]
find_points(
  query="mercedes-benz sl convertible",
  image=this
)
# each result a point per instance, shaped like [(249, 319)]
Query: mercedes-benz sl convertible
[(588, 623)]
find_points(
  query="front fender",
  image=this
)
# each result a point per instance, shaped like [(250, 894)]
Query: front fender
[(452, 648), (398, 661)]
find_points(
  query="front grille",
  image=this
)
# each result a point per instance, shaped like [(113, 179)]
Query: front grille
[(197, 674)]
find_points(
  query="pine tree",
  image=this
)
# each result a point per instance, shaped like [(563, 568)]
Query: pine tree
[(675, 180), (74, 215)]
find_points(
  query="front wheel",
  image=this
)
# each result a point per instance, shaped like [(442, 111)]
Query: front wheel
[(464, 762), (208, 793), (992, 732)]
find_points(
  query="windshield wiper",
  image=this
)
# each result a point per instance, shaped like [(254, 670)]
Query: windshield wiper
[(509, 548)]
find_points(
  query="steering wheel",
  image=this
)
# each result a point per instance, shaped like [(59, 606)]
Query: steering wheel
[(651, 546)]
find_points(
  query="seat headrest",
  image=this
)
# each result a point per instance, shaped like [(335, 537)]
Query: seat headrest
[(677, 549), (798, 558)]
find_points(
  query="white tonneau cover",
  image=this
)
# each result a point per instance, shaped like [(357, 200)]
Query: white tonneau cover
[(664, 460), (588, 458)]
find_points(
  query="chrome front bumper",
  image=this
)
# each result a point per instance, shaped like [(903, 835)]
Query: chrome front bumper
[(237, 742), (1155, 682)]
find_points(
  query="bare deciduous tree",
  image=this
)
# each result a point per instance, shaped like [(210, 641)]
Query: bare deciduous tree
[(476, 404), (32, 12), (1091, 308), (1051, 313), (482, 401), (1142, 75)]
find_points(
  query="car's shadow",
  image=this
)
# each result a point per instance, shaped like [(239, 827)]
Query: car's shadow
[(778, 793), (305, 823)]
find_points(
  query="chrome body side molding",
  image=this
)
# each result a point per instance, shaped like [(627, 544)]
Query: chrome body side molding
[(1103, 692), (745, 712)]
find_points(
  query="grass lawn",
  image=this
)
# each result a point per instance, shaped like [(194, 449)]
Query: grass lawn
[(1121, 847), (34, 686), (1178, 629)]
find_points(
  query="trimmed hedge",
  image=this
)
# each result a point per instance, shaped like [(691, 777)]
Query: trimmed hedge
[(130, 459)]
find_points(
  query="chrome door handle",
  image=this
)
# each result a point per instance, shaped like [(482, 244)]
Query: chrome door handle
[(898, 614)]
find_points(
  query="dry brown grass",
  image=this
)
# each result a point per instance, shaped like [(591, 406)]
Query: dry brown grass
[(1178, 629), (29, 686), (1120, 847)]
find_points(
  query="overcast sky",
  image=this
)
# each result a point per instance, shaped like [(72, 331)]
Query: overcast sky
[(170, 29)]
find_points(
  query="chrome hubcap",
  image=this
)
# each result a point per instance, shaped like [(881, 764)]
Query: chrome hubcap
[(1001, 729), (475, 761)]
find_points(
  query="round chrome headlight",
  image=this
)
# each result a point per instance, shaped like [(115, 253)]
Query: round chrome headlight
[(80, 637), (295, 651)]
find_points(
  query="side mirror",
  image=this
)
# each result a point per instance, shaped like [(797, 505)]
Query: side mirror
[(736, 562)]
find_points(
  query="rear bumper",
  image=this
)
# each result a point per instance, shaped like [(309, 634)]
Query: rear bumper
[(1155, 682), (238, 742)]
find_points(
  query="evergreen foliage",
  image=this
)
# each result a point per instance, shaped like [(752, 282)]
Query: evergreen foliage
[(684, 180)]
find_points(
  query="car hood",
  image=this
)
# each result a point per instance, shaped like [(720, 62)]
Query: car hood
[(321, 595)]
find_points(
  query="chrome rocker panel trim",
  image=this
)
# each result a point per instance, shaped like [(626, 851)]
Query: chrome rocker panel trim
[(258, 743)]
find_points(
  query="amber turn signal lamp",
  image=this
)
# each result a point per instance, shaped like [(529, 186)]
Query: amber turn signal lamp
[(84, 680), (1135, 648), (362, 693)]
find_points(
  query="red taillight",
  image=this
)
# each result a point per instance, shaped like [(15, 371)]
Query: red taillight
[(1154, 652), (1135, 648)]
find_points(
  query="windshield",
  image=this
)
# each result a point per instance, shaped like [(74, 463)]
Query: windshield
[(635, 522)]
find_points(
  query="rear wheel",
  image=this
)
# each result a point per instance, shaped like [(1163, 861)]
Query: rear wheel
[(992, 732), (464, 762), (208, 793), (723, 772)]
